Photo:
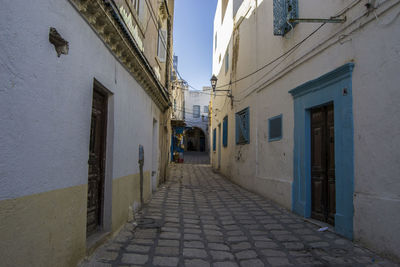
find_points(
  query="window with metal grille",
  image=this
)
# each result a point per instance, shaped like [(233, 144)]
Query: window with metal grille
[(225, 132), (196, 111), (275, 128), (205, 109), (215, 139), (283, 11), (243, 126)]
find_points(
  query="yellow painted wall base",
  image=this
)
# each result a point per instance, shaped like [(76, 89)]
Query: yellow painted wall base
[(49, 229), (46, 229), (126, 191)]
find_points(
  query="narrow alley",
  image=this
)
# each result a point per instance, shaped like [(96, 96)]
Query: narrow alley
[(199, 133), (199, 218)]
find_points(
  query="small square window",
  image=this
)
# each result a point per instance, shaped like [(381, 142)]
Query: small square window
[(275, 128)]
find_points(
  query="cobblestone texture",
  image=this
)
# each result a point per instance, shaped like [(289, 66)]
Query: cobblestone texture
[(200, 219), (193, 157)]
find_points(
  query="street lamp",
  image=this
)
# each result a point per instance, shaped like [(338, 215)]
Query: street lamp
[(213, 80)]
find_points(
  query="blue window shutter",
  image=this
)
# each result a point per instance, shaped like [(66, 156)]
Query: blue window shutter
[(279, 17), (247, 134), (215, 139), (243, 126), (225, 132), (237, 123), (284, 10)]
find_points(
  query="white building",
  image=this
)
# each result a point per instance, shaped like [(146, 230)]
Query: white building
[(314, 120), (196, 117), (83, 86)]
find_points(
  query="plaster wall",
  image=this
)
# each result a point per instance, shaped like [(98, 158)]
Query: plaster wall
[(267, 167), (223, 31), (45, 115)]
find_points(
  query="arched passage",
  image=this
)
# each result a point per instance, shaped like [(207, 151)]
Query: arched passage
[(195, 139)]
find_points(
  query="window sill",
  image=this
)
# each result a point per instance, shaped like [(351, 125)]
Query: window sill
[(275, 139)]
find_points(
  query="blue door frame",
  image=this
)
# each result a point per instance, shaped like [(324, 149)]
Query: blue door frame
[(334, 87)]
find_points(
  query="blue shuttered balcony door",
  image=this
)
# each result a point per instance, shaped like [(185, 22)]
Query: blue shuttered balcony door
[(283, 11)]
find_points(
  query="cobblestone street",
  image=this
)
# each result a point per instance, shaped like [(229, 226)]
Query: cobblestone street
[(198, 218), (191, 157)]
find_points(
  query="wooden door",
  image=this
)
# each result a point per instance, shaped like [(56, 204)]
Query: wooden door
[(96, 162), (323, 206)]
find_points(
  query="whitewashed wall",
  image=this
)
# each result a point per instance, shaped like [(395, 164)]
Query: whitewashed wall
[(201, 98), (45, 102), (267, 167)]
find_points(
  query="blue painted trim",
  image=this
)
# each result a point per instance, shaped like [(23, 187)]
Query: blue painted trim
[(215, 139), (269, 129), (323, 90), (172, 146), (225, 132), (332, 77)]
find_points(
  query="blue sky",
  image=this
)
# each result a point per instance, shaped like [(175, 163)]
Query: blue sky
[(193, 37)]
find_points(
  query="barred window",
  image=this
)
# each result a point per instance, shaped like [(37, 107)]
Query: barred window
[(275, 128), (284, 10), (243, 126)]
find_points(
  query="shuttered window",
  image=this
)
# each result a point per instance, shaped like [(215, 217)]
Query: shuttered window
[(284, 10), (162, 45), (196, 111), (243, 126), (275, 128), (226, 61), (225, 132), (215, 139)]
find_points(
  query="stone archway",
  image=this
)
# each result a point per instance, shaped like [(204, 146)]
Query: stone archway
[(195, 140)]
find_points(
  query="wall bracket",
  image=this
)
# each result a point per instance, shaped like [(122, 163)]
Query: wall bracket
[(310, 20)]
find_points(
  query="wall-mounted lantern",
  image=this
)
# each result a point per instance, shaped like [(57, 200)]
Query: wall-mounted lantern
[(213, 80)]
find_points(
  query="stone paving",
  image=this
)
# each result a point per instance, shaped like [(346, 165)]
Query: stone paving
[(192, 157), (200, 219)]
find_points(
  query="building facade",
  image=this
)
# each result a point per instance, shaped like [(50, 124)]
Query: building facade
[(178, 124), (196, 119), (84, 104), (312, 121)]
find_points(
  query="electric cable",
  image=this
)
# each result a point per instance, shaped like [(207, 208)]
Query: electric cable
[(294, 47), (286, 56)]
